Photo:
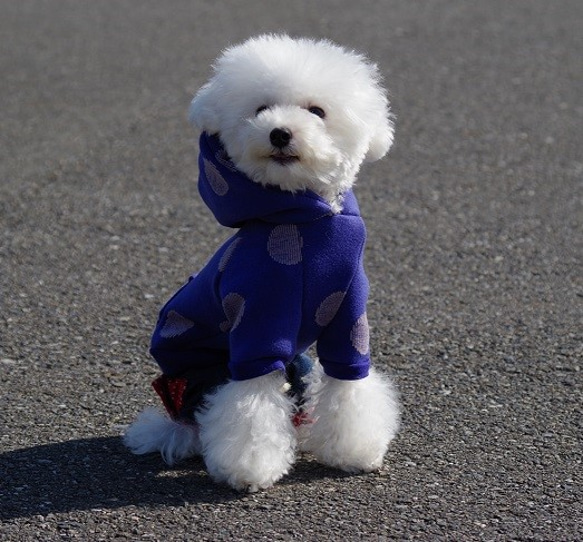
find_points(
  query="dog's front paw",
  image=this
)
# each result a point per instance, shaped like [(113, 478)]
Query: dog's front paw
[(354, 422), (246, 432)]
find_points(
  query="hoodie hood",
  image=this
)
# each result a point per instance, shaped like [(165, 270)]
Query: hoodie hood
[(235, 199)]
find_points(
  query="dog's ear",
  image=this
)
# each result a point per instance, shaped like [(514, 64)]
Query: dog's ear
[(203, 110), (382, 139)]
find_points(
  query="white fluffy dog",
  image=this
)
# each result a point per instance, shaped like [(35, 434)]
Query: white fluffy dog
[(286, 125)]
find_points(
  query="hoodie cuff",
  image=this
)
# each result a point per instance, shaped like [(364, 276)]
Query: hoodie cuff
[(343, 371), (255, 369)]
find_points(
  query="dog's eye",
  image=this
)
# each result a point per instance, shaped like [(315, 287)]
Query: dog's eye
[(260, 108), (318, 111)]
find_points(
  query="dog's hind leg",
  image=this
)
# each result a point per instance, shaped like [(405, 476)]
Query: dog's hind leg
[(153, 431)]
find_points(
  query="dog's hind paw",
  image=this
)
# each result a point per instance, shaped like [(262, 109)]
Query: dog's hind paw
[(153, 431)]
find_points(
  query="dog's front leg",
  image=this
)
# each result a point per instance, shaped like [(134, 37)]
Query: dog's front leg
[(247, 436), (353, 420)]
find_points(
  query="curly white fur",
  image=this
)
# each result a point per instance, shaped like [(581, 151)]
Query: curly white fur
[(247, 436), (153, 431), (353, 421)]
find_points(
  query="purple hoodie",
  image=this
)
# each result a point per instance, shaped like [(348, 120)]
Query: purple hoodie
[(291, 276)]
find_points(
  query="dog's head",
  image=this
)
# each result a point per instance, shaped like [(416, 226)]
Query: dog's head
[(296, 113)]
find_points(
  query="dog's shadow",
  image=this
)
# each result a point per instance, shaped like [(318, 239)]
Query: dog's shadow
[(100, 473), (94, 473)]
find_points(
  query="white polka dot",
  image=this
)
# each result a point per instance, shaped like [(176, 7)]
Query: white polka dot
[(228, 254), (216, 181), (328, 308), (234, 307), (175, 325), (285, 244), (359, 335)]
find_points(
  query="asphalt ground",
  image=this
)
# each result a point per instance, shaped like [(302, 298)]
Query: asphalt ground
[(474, 258)]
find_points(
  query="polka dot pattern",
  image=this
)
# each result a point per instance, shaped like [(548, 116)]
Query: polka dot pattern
[(328, 308), (359, 335), (175, 325), (284, 244), (216, 181), (223, 158), (228, 254), (234, 307)]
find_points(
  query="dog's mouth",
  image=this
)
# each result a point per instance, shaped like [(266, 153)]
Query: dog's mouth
[(284, 159)]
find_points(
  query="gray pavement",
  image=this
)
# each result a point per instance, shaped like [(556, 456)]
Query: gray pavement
[(474, 256)]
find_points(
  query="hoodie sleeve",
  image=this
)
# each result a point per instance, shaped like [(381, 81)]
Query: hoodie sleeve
[(261, 291), (343, 347)]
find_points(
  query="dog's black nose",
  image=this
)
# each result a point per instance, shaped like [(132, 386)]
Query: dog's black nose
[(280, 137)]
